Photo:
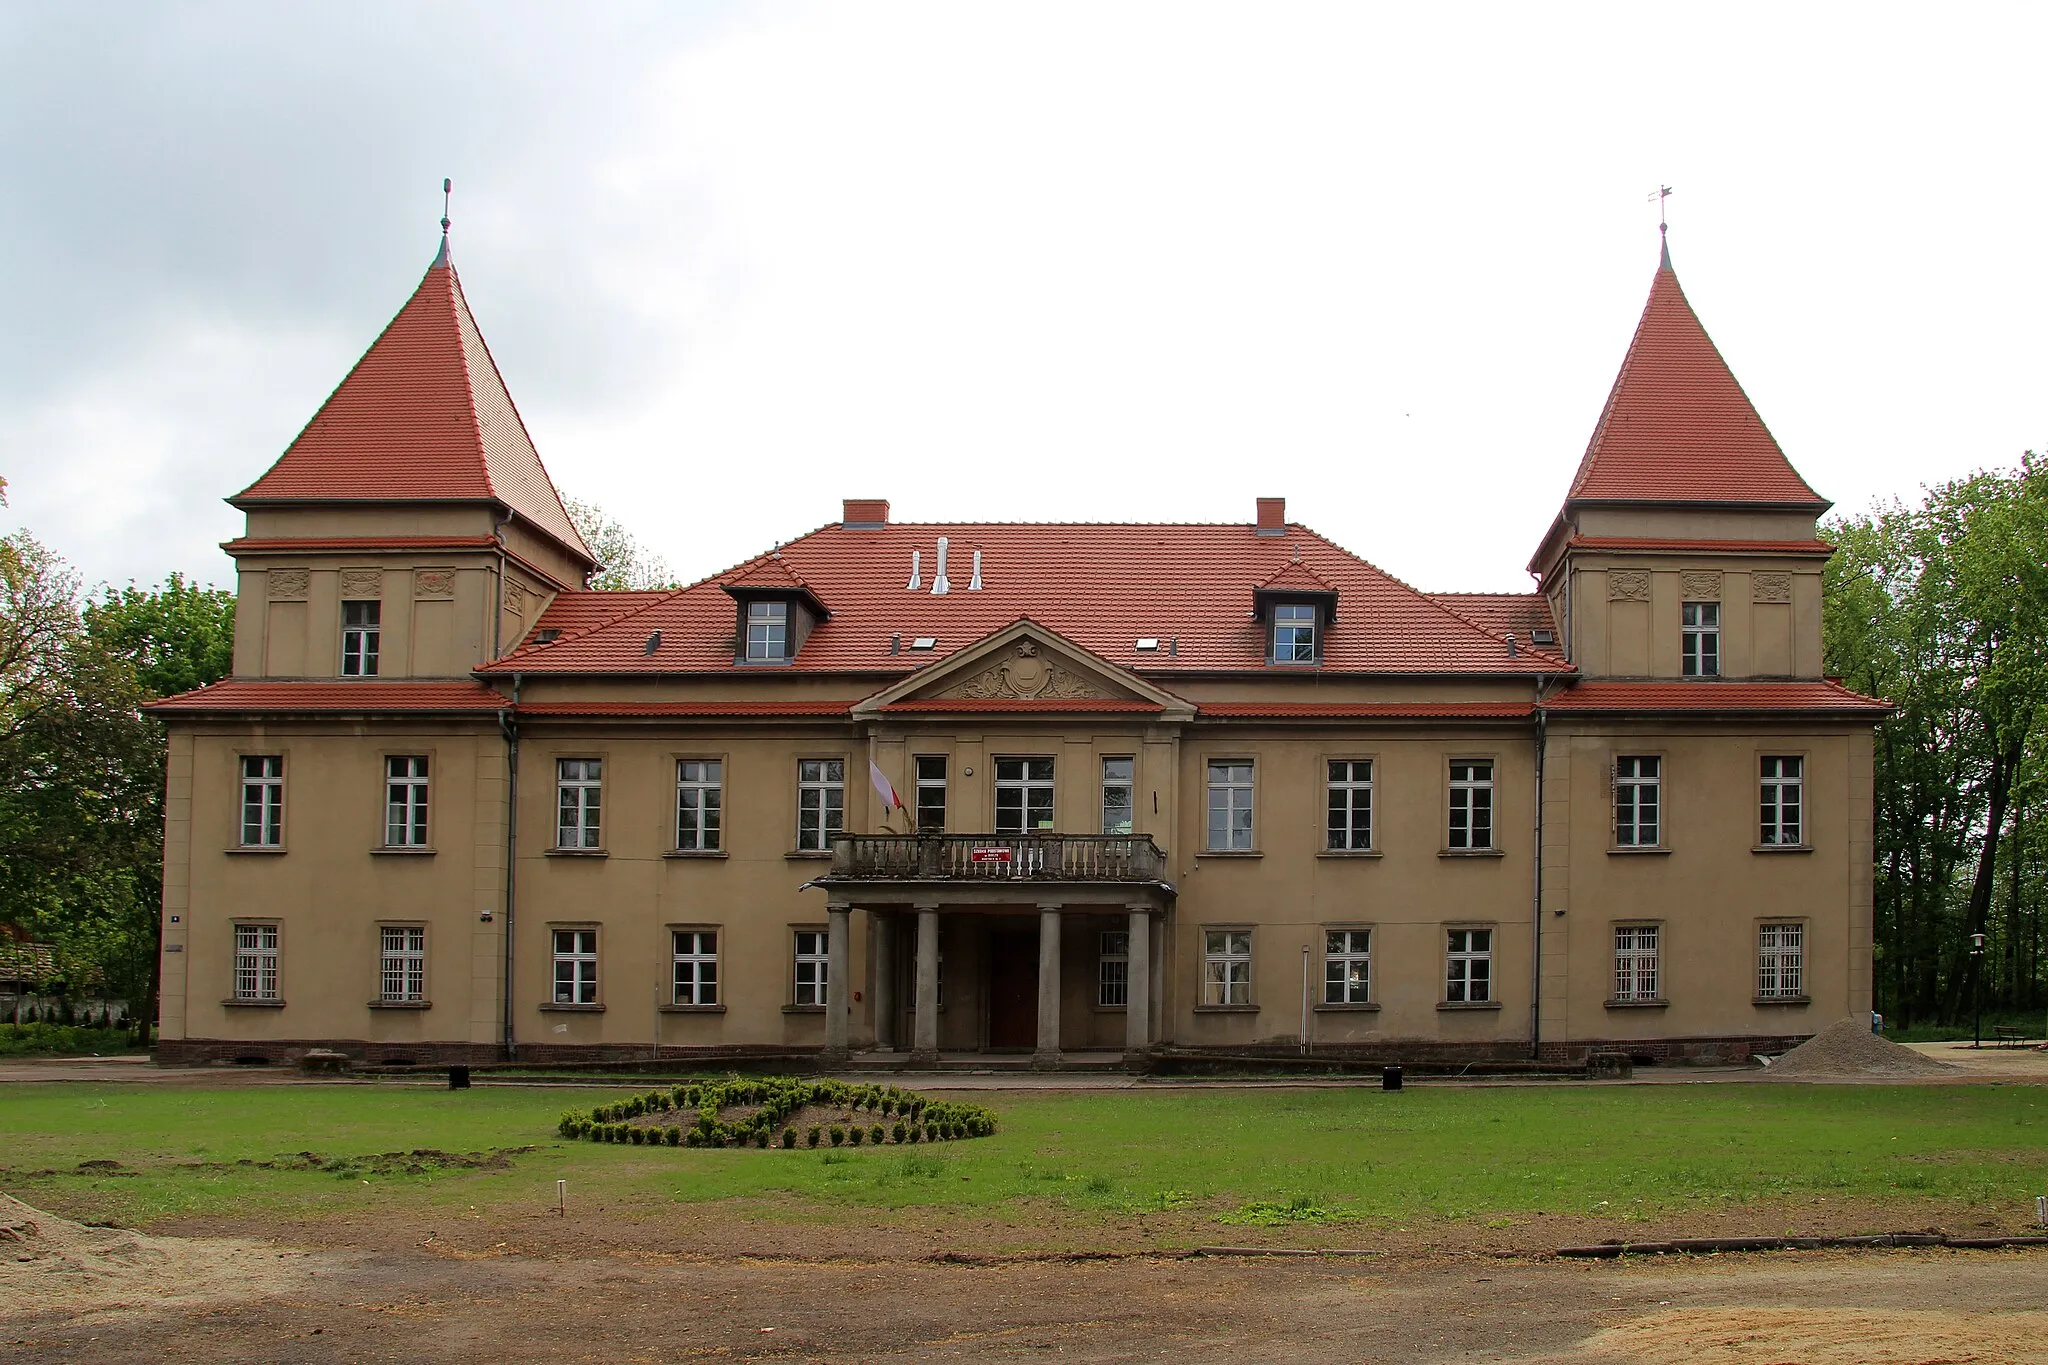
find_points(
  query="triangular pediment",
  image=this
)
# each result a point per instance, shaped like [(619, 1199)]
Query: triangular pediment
[(1024, 667)]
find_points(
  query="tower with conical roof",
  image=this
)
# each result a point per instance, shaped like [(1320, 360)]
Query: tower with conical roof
[(410, 530), (1686, 547)]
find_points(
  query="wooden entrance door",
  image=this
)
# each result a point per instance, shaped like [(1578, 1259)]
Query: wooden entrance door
[(1013, 990)]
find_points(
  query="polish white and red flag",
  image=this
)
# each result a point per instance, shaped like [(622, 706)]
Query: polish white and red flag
[(883, 788)]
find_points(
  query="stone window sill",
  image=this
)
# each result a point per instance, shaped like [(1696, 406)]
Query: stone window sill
[(271, 850), (693, 1009), (397, 851), (1230, 853), (1765, 1001), (796, 853), (1470, 853), (1112, 1009), (1226, 1009), (254, 1004), (1638, 850), (564, 1007), (1361, 1007), (574, 853), (1636, 1004), (1782, 848), (1351, 853), (401, 1004), (1468, 1004), (803, 1009), (695, 853)]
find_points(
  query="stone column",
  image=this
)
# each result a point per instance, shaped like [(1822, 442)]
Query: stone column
[(1048, 1053), (836, 985), (884, 993), (924, 1047), (1138, 985)]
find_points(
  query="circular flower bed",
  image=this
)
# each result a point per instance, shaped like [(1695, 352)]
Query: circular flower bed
[(778, 1112)]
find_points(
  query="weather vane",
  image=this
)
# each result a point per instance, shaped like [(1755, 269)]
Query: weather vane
[(1658, 195)]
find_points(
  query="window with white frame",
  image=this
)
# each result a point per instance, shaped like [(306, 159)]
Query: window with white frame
[(405, 801), (256, 957), (402, 963), (767, 631), (929, 773), (820, 802), (1294, 633), (361, 630), (1350, 802), (1780, 961), (575, 966), (1226, 966), (1347, 966), (1230, 805), (1113, 969), (262, 801), (1471, 824), (1638, 792), (1699, 639), (696, 966), (699, 788), (1635, 962), (1781, 783), (579, 802), (1119, 777), (813, 962), (1023, 795), (1468, 974)]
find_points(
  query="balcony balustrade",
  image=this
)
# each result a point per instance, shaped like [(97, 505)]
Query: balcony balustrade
[(996, 858)]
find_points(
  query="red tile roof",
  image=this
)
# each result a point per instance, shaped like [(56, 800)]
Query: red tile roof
[(424, 415), (1705, 547), (689, 710), (1102, 586), (335, 696), (1366, 710), (1071, 705), (584, 609), (1522, 613), (1294, 576), (1714, 696), (1677, 427)]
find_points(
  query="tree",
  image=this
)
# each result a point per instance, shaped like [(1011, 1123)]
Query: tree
[(622, 561), (176, 637)]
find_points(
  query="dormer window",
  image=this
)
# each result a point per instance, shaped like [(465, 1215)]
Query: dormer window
[(767, 632), (1294, 633)]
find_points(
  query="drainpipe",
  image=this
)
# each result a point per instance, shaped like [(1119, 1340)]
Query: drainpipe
[(1536, 892), (509, 727)]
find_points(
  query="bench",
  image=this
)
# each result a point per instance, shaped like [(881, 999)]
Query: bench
[(2009, 1035)]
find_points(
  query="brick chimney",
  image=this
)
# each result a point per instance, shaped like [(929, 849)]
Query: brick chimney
[(863, 513), (1272, 517)]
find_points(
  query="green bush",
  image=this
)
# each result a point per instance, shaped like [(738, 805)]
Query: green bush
[(856, 1134), (776, 1099), (838, 1135), (896, 1131), (811, 1138), (788, 1138), (671, 1136), (875, 1135)]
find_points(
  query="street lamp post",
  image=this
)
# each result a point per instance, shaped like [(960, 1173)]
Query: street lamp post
[(1977, 987)]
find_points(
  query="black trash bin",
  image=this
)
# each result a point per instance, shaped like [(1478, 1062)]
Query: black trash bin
[(458, 1078), (1390, 1078)]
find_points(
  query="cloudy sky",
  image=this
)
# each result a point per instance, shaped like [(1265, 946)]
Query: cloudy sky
[(1012, 261)]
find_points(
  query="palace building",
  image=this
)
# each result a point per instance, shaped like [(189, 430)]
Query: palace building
[(1070, 792)]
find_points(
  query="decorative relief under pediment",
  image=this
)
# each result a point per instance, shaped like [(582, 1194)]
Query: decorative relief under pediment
[(1628, 585), (289, 585), (357, 584), (1700, 586), (1771, 585), (515, 597), (1024, 675), (433, 583)]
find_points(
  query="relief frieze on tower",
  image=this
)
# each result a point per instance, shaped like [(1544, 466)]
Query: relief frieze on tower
[(1628, 585)]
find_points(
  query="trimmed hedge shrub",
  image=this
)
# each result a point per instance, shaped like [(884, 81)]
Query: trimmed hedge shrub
[(692, 1112)]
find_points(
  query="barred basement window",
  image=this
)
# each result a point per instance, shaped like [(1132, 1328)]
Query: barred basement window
[(1350, 795), (1347, 966), (1637, 789), (575, 966), (402, 963), (1468, 978), (1471, 825), (1113, 970), (1699, 639), (699, 787), (405, 802), (579, 802), (696, 967), (813, 949), (256, 955), (263, 801), (361, 631), (1635, 962), (1227, 967), (1780, 958), (820, 802), (1781, 790)]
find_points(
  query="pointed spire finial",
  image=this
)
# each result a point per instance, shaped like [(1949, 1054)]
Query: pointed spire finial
[(1660, 194), (447, 190)]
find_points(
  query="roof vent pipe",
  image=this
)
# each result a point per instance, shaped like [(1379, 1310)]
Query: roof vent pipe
[(974, 583), (940, 587), (895, 643), (916, 571), (1511, 644)]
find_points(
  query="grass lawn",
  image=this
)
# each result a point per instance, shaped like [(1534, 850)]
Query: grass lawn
[(1237, 1156)]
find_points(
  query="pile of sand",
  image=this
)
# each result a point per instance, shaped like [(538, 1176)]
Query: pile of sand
[(1820, 1336), (53, 1265), (1848, 1051)]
